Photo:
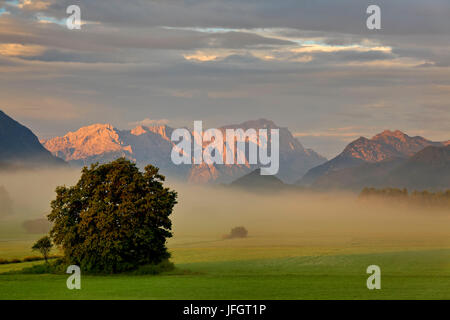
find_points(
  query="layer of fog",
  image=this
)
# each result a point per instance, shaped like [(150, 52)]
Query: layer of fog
[(31, 191), (206, 212), (317, 217)]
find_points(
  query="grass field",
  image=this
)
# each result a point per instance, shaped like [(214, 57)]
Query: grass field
[(405, 275), (253, 269), (316, 253)]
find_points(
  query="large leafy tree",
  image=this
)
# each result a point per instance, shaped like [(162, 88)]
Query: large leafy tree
[(114, 219)]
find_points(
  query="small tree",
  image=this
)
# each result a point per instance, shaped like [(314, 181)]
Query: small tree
[(43, 245)]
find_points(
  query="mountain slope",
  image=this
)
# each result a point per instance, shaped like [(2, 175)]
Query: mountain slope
[(366, 174), (427, 169), (88, 143), (103, 143), (19, 147), (385, 146)]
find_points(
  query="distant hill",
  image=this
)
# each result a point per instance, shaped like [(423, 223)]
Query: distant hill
[(255, 180), (427, 169), (364, 160), (20, 148), (357, 177)]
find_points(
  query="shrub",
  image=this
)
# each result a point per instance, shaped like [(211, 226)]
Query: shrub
[(55, 266), (38, 269), (237, 232), (32, 258)]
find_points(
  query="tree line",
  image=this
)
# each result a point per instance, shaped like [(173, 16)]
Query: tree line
[(427, 198)]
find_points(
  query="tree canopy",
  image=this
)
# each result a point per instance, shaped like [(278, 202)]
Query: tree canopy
[(115, 218)]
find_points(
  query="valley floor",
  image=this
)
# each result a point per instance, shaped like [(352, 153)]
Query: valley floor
[(302, 265), (415, 274)]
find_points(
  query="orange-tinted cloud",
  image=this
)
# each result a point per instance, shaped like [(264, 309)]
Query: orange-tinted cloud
[(20, 50)]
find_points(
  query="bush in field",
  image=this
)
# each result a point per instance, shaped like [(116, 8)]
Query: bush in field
[(114, 219), (43, 245), (237, 232), (39, 269), (31, 258)]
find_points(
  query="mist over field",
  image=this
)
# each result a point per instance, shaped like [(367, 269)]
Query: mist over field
[(316, 217), (299, 244), (32, 190), (204, 214)]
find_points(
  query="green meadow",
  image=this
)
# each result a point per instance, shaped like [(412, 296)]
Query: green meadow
[(252, 269), (405, 275), (310, 247)]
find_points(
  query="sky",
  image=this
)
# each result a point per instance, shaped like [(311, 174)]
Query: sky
[(311, 66)]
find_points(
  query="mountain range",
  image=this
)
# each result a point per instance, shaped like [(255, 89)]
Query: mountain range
[(152, 144), (428, 169), (389, 159)]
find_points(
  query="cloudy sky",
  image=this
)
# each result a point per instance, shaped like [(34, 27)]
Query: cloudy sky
[(311, 66)]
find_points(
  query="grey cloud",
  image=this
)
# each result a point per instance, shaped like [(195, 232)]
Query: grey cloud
[(345, 16), (349, 55), (243, 39), (132, 24), (54, 55), (7, 62), (96, 38), (241, 59)]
